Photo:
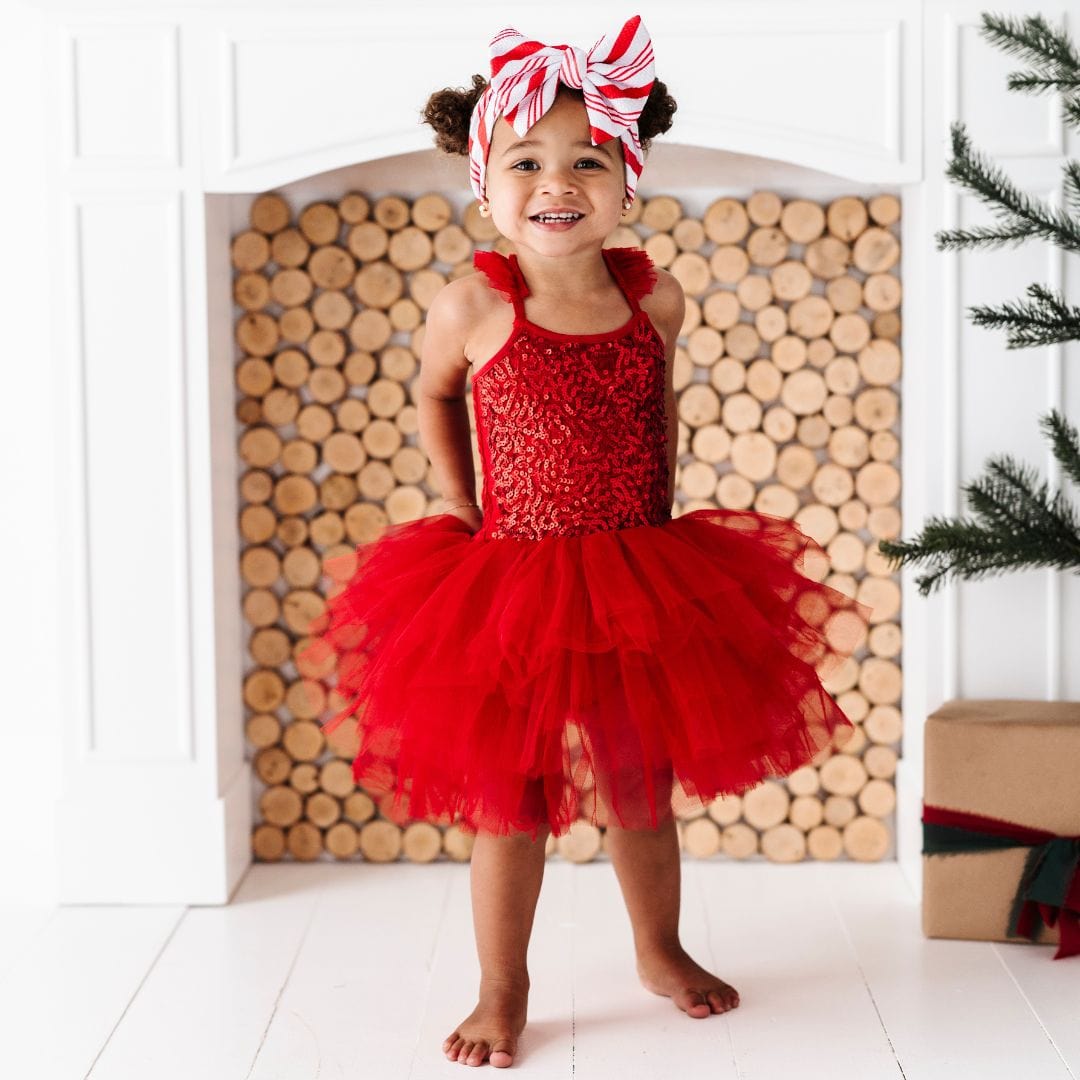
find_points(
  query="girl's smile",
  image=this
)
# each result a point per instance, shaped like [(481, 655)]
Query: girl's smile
[(557, 221)]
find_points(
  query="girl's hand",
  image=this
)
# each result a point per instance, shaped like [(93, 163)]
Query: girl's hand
[(473, 516)]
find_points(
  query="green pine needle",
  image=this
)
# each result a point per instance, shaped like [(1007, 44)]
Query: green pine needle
[(1047, 321), (1018, 525)]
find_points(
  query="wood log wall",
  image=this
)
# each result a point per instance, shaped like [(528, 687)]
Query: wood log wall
[(787, 384)]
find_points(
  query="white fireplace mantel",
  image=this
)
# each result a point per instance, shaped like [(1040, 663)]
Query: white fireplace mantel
[(151, 110)]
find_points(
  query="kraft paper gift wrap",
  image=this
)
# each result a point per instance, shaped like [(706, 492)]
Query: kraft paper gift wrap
[(1003, 776)]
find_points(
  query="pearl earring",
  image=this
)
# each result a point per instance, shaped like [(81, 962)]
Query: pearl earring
[(484, 209)]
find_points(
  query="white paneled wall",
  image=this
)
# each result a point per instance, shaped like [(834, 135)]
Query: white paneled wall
[(127, 669), (34, 671), (1009, 633)]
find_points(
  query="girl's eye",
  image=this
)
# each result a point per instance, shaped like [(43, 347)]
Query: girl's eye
[(529, 161)]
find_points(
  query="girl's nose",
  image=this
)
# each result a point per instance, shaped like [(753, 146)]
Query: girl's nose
[(559, 181)]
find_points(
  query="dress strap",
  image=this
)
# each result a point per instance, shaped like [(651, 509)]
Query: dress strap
[(632, 268), (634, 271), (504, 276)]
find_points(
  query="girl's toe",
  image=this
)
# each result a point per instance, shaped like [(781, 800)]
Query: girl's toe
[(477, 1055), (503, 1055), (693, 1002)]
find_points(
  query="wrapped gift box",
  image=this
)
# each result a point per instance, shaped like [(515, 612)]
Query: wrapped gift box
[(1001, 822)]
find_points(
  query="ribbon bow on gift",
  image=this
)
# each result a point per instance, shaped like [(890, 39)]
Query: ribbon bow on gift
[(616, 75), (1049, 887)]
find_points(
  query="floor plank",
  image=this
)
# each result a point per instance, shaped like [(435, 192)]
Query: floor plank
[(804, 1006), (950, 1007), (357, 993), (204, 1005), (20, 923), (1051, 989), (66, 991)]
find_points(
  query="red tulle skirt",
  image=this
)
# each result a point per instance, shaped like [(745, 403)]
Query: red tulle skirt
[(509, 683)]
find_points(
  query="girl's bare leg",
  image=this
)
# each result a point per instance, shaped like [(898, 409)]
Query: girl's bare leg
[(649, 868), (506, 873)]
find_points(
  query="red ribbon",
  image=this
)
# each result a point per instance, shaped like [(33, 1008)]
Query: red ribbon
[(1049, 887)]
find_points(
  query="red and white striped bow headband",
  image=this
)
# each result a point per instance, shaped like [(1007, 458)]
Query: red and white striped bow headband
[(616, 75)]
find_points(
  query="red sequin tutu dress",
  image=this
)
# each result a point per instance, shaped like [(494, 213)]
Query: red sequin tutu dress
[(582, 654)]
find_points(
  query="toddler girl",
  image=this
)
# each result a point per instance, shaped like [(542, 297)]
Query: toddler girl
[(566, 648)]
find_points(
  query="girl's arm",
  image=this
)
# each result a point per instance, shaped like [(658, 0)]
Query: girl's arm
[(672, 427), (442, 415), (674, 307)]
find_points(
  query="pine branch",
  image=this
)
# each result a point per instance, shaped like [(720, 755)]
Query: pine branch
[(1045, 322), (1037, 84), (1050, 51), (1071, 185), (981, 236), (1064, 443), (1018, 523), (960, 549), (1023, 216), (1037, 529), (1008, 498)]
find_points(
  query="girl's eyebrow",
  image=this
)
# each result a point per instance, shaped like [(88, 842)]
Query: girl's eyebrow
[(602, 148)]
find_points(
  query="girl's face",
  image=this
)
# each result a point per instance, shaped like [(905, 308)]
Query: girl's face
[(558, 168)]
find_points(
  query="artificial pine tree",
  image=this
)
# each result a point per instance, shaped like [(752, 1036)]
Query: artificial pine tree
[(1017, 524)]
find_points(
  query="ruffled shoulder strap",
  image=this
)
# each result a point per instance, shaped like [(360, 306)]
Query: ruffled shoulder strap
[(499, 272), (634, 268)]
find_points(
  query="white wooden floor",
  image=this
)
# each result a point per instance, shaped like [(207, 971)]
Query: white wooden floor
[(359, 971)]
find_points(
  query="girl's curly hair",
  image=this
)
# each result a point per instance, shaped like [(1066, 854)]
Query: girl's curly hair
[(448, 111)]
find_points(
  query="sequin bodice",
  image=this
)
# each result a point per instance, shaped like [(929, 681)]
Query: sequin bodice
[(572, 428)]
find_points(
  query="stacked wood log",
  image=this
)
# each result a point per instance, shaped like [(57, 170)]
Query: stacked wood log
[(786, 377)]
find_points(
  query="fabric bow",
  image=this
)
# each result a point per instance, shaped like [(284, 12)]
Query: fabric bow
[(616, 75), (1048, 891)]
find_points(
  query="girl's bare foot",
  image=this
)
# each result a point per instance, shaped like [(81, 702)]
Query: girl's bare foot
[(671, 973), (490, 1032)]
